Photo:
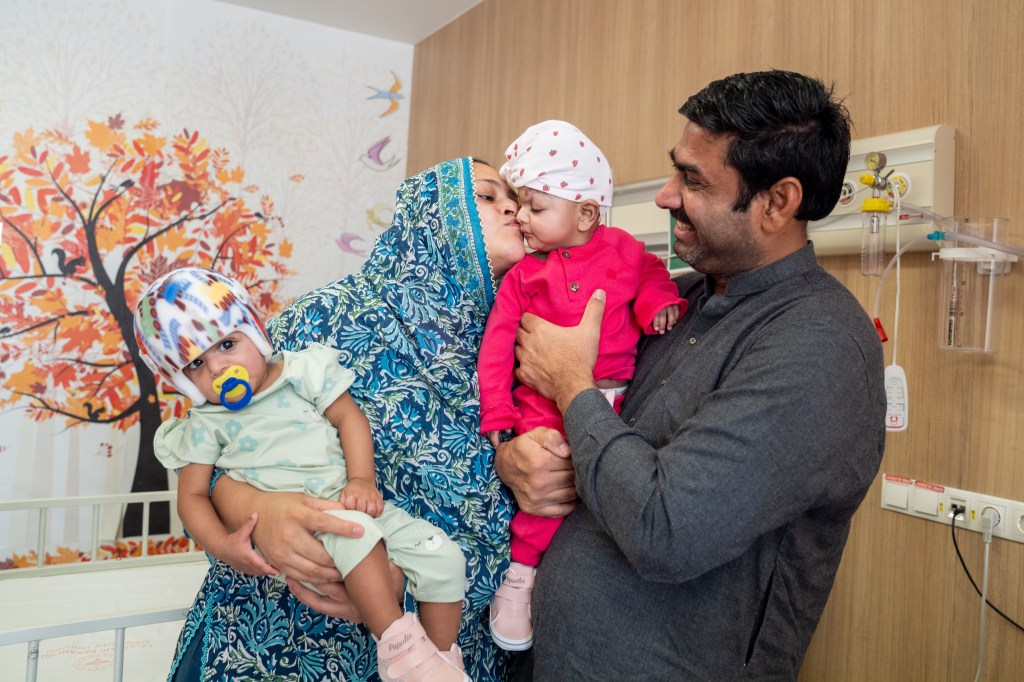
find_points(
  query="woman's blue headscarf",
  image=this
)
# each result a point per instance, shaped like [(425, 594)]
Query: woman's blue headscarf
[(409, 325)]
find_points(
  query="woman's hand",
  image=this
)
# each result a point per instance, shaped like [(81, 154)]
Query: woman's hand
[(236, 551), (537, 467), (335, 600), (286, 532), (286, 527)]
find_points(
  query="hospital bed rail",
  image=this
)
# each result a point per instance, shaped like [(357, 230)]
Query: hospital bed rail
[(26, 625), (94, 562)]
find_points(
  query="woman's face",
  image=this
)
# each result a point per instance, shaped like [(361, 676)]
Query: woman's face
[(497, 205)]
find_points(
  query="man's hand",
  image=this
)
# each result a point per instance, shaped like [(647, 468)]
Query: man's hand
[(558, 361), (538, 469)]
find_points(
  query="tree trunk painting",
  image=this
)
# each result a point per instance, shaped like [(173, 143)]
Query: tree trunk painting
[(85, 225)]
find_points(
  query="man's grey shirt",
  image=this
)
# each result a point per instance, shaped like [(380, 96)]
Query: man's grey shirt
[(714, 512)]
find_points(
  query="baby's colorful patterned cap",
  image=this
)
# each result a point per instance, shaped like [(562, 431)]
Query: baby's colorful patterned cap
[(185, 313), (554, 157)]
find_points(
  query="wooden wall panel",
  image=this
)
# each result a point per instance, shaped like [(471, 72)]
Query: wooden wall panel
[(901, 608)]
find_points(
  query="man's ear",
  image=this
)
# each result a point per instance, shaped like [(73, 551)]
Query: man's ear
[(589, 214), (784, 199)]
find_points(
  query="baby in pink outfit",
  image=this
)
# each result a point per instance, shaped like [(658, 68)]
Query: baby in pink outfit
[(565, 185)]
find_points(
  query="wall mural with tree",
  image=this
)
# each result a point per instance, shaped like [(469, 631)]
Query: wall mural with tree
[(89, 223), (137, 136)]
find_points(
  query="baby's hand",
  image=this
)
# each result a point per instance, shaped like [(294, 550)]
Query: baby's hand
[(237, 551), (362, 495), (665, 319)]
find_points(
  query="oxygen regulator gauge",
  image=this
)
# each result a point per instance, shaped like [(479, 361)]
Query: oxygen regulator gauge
[(874, 161)]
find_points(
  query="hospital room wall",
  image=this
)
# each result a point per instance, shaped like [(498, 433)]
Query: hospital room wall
[(901, 608)]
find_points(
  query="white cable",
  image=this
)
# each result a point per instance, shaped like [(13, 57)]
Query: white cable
[(981, 625), (896, 316), (988, 524)]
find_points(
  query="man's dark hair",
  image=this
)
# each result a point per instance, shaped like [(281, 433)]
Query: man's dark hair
[(782, 124)]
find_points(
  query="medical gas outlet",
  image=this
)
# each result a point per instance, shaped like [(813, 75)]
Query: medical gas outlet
[(912, 169)]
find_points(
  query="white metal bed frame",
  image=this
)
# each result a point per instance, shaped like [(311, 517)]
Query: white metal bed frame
[(33, 635)]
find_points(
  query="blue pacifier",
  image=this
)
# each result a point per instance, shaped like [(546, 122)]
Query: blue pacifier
[(233, 387)]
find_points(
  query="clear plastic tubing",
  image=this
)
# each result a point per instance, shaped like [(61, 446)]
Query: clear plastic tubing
[(941, 221), (979, 241), (881, 279), (935, 236)]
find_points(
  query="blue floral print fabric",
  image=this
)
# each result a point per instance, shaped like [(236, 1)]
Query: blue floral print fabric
[(409, 325)]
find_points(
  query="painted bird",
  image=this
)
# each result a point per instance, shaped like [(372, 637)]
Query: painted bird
[(391, 94), (379, 217), (372, 156), (345, 243)]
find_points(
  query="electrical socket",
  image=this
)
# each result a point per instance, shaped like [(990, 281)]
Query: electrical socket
[(1001, 526), (935, 502), (1018, 521)]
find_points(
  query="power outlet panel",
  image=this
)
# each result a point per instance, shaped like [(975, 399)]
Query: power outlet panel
[(934, 502)]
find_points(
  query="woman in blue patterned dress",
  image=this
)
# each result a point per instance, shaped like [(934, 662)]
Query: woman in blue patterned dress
[(409, 325)]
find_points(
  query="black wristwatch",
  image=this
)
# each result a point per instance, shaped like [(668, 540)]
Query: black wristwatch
[(505, 435)]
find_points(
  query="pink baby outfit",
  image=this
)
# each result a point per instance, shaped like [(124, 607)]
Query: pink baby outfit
[(557, 288)]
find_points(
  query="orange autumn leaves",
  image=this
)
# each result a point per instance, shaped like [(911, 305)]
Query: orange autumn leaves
[(87, 221), (120, 549)]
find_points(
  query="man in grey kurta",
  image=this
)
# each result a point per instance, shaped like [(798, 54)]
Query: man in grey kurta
[(712, 515), (714, 541)]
